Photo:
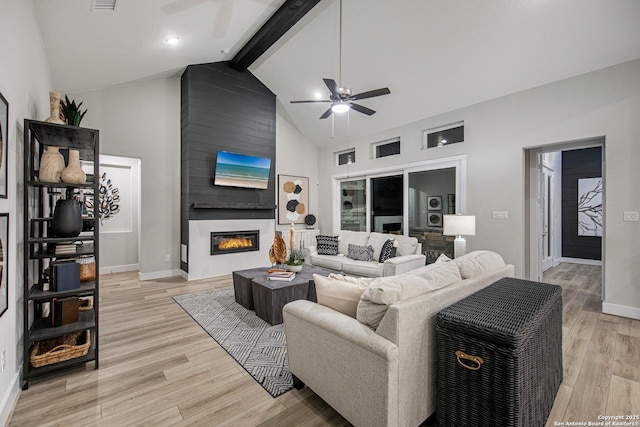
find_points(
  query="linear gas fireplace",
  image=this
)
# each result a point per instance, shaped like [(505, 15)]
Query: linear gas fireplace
[(226, 242)]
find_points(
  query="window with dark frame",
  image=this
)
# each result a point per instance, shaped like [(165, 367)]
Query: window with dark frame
[(346, 157), (385, 149), (439, 137)]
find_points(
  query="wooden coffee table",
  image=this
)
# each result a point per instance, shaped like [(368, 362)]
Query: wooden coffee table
[(267, 297)]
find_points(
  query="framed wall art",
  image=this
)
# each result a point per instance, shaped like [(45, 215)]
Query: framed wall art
[(293, 199), (4, 264), (434, 203), (4, 141), (434, 219)]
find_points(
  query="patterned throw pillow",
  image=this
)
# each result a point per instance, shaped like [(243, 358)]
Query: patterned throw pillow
[(360, 253), (388, 250), (327, 245)]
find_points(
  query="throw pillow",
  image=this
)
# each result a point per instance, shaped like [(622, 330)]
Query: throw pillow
[(360, 253), (388, 250), (442, 258), (327, 245), (339, 292)]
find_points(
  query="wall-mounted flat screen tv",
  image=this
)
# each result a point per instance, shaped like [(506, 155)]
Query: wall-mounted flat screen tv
[(242, 170)]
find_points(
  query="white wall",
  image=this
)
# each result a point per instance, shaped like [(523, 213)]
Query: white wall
[(120, 233), (25, 82), (143, 120), (605, 102), (296, 155)]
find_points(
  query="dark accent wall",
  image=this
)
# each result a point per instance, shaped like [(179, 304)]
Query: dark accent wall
[(223, 110), (577, 164)]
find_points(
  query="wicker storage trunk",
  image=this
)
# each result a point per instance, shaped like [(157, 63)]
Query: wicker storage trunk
[(499, 356)]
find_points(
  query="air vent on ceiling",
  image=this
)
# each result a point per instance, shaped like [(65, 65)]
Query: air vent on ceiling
[(103, 5)]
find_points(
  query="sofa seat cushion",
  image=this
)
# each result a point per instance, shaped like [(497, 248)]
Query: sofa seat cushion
[(339, 292), (385, 291), (477, 262), (362, 268), (331, 262)]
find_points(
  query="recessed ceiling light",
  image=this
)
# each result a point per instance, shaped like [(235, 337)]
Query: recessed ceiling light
[(317, 95), (172, 40)]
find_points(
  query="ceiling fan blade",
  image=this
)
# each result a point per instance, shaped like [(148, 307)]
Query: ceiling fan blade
[(326, 113), (332, 85), (371, 93), (310, 100), (361, 109)]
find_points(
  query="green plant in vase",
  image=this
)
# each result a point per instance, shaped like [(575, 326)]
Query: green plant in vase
[(72, 112), (295, 260)]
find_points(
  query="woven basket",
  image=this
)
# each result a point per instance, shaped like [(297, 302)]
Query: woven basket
[(85, 304), (59, 349)]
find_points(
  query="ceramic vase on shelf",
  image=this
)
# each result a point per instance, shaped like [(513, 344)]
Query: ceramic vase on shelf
[(54, 106), (51, 165), (73, 173), (67, 218)]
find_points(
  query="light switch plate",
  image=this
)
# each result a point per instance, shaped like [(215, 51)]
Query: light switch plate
[(502, 215), (630, 216)]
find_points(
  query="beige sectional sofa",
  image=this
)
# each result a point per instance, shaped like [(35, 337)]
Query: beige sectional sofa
[(378, 369), (408, 255)]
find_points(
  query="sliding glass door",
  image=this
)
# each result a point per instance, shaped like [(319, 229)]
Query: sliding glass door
[(387, 202), (408, 202), (353, 205)]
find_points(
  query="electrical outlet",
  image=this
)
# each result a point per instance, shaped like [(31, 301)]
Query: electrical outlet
[(3, 360), (167, 257)]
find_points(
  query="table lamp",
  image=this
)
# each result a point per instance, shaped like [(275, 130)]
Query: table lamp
[(459, 225)]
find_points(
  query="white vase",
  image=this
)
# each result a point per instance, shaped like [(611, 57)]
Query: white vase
[(51, 165), (294, 268), (73, 173)]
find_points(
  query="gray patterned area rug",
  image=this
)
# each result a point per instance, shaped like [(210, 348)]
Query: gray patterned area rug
[(257, 346)]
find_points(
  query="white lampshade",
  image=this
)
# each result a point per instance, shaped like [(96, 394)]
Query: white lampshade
[(459, 225)]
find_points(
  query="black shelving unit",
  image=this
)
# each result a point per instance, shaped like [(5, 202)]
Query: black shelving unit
[(39, 200)]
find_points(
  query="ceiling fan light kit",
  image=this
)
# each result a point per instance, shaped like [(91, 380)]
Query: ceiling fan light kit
[(341, 98)]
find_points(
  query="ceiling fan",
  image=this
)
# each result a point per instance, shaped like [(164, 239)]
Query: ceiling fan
[(342, 101), (341, 98)]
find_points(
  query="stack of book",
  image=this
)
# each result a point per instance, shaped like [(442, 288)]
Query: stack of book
[(65, 249), (285, 276)]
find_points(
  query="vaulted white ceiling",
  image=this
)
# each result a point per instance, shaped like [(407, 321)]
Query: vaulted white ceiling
[(434, 55)]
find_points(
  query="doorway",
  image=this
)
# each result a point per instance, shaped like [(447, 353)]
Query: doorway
[(553, 206)]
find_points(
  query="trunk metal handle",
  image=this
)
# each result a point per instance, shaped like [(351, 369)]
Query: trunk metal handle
[(461, 355)]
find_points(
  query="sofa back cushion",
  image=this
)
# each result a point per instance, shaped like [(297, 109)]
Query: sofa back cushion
[(477, 262), (327, 245), (385, 291), (359, 238), (339, 292)]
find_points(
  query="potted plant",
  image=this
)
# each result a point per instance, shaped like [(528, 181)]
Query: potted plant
[(72, 112), (295, 260)]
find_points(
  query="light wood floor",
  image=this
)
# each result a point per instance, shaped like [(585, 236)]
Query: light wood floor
[(159, 368)]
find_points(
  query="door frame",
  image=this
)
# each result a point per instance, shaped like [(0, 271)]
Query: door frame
[(533, 235)]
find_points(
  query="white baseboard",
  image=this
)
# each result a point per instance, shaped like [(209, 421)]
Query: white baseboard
[(9, 400), (581, 261), (119, 268), (621, 310), (184, 275), (159, 274)]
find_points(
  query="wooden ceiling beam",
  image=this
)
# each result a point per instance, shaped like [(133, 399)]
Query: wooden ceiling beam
[(276, 26)]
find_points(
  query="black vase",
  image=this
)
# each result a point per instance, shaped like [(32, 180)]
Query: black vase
[(67, 218)]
